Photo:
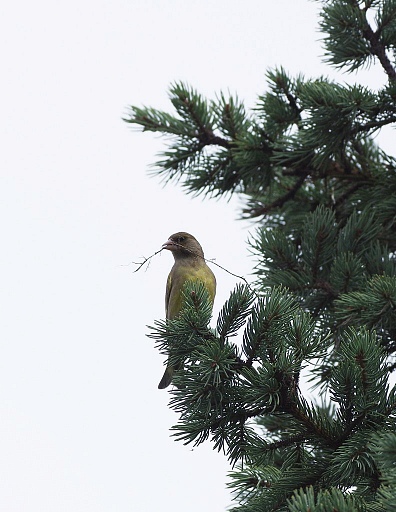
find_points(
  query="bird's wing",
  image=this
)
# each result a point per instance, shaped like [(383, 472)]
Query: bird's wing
[(167, 294)]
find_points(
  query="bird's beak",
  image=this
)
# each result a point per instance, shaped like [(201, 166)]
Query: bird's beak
[(169, 244)]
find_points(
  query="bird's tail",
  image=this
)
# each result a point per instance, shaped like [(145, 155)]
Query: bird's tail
[(166, 378)]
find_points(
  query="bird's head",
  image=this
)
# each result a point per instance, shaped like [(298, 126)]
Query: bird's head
[(183, 245)]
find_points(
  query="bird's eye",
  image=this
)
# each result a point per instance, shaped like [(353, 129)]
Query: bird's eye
[(181, 239)]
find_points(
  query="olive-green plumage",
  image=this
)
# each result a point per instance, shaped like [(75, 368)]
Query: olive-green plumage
[(189, 265)]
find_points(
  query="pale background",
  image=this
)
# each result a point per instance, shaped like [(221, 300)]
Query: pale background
[(82, 425)]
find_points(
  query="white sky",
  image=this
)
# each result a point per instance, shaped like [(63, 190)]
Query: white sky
[(82, 425)]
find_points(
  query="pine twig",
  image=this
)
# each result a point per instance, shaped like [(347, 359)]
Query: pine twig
[(257, 212), (145, 260)]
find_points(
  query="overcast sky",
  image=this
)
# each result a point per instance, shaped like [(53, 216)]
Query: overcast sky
[(83, 427)]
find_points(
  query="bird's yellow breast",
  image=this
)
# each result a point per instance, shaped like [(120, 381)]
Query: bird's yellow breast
[(180, 273)]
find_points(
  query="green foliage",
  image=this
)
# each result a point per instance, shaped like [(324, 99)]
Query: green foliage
[(234, 312), (384, 451), (344, 26), (323, 306), (326, 501)]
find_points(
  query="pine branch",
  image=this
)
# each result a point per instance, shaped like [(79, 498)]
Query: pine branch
[(373, 125), (346, 194), (312, 428), (279, 202), (378, 49)]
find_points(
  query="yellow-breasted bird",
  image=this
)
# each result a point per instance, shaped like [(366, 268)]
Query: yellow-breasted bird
[(189, 265)]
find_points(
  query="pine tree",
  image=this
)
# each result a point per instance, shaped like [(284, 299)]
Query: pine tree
[(324, 302)]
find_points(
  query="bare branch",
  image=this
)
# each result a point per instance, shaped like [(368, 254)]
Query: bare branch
[(145, 260)]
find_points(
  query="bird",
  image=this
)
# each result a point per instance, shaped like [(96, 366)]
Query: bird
[(189, 265)]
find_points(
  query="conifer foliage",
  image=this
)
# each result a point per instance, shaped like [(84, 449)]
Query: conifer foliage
[(324, 302)]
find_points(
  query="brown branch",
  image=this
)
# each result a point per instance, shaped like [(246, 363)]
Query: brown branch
[(293, 104), (378, 49), (205, 135), (391, 367), (372, 125), (312, 427), (208, 138), (345, 195), (257, 212)]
